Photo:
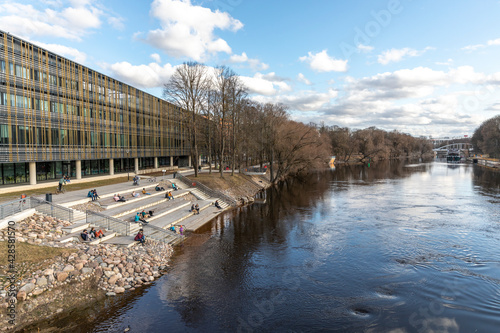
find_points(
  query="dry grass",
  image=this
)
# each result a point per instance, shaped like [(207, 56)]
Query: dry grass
[(29, 253), (237, 186), (69, 187)]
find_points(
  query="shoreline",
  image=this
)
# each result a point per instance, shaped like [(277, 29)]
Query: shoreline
[(87, 273)]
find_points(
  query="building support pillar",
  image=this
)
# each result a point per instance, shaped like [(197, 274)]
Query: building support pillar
[(171, 161), (189, 161), (32, 173), (78, 169), (136, 165), (111, 166), (156, 163)]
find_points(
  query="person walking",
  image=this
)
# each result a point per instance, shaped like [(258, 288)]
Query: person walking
[(62, 182)]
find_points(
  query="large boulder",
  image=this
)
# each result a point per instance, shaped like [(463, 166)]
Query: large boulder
[(112, 280), (119, 290), (21, 296), (69, 268), (61, 276), (41, 282), (28, 287)]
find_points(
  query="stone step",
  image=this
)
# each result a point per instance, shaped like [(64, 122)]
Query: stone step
[(75, 227), (199, 194), (122, 241)]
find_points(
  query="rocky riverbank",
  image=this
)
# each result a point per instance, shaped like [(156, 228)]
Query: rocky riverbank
[(104, 268)]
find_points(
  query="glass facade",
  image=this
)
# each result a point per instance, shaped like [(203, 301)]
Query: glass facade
[(54, 112)]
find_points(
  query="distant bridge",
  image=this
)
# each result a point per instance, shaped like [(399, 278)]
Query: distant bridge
[(466, 148)]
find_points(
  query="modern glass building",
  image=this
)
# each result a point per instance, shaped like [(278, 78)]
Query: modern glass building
[(58, 118)]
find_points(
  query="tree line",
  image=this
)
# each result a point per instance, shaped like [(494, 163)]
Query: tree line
[(232, 131), (372, 144), (486, 138)]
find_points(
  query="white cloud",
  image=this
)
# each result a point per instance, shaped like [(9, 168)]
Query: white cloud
[(264, 85), (448, 62), (188, 30), (322, 62), (396, 55), (494, 42), (303, 79), (491, 42), (156, 57), (72, 22), (65, 51), (142, 76), (306, 100), (255, 64), (116, 22), (365, 48)]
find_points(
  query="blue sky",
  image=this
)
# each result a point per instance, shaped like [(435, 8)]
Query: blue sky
[(420, 67)]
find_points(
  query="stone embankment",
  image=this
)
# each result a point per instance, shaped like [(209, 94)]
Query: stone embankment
[(110, 269), (84, 273)]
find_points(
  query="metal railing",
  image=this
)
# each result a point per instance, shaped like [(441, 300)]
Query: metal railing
[(52, 209), (14, 207), (160, 234), (107, 222), (208, 191)]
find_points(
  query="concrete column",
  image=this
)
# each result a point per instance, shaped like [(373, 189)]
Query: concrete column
[(156, 163), (136, 164), (111, 166), (32, 173), (189, 159), (171, 161), (78, 169)]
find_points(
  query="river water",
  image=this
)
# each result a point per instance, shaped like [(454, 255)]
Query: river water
[(392, 248)]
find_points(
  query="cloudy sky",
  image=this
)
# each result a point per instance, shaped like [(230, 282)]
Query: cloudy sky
[(421, 67)]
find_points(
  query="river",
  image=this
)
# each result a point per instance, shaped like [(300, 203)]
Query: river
[(392, 248)]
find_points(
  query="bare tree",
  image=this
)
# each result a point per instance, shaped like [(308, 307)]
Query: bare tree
[(225, 86), (187, 88)]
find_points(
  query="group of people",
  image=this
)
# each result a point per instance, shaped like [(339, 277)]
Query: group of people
[(142, 216), (93, 234), (195, 209), (119, 198), (179, 229), (93, 194)]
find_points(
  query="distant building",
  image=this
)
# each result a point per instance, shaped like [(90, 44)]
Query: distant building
[(58, 118)]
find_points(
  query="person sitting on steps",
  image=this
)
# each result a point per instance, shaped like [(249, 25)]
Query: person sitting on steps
[(96, 234), (144, 191), (217, 204), (144, 214), (138, 218), (140, 237), (135, 195), (158, 188), (197, 209), (85, 236), (169, 196), (174, 187), (192, 208), (120, 198)]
